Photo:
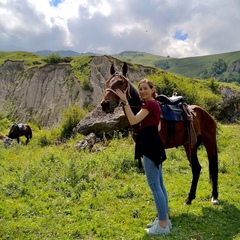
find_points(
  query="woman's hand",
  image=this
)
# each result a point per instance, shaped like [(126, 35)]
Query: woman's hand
[(133, 119), (121, 95)]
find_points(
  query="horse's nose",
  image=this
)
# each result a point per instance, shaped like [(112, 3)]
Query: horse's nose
[(105, 105)]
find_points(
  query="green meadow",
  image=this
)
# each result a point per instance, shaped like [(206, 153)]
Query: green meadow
[(51, 190), (54, 191)]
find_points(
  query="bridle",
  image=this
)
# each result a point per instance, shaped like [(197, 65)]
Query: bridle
[(127, 90)]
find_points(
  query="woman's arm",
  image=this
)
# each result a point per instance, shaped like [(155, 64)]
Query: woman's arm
[(133, 119)]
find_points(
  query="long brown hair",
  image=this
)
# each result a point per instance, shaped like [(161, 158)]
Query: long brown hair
[(151, 85)]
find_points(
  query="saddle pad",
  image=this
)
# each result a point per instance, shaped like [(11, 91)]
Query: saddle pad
[(172, 112)]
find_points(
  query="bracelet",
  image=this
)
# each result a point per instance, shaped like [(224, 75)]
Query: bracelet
[(124, 103)]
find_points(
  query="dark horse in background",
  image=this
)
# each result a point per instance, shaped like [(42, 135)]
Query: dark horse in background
[(202, 122), (18, 130)]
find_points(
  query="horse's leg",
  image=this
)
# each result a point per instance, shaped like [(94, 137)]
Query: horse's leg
[(211, 148), (27, 141), (213, 171), (196, 169), (140, 166)]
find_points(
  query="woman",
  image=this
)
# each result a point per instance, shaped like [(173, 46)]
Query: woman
[(152, 150)]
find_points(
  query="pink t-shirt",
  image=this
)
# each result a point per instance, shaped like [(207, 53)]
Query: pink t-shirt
[(153, 118)]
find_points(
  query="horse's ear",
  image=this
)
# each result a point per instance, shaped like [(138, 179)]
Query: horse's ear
[(124, 69), (112, 69)]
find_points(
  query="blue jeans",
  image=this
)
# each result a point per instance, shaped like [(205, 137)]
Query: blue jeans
[(155, 182)]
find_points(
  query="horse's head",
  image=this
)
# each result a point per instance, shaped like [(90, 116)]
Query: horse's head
[(117, 80), (13, 131)]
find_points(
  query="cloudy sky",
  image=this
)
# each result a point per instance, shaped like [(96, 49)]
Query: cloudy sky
[(175, 28)]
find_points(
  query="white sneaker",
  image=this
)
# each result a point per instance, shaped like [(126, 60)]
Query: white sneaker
[(153, 223), (169, 224), (156, 221), (157, 230)]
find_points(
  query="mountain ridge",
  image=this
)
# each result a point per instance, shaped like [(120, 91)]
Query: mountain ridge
[(224, 67)]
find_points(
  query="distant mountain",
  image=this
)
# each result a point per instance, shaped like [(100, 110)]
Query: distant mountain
[(65, 53)]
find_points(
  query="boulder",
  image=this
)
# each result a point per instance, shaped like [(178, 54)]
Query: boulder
[(88, 143), (230, 105), (7, 142), (101, 123)]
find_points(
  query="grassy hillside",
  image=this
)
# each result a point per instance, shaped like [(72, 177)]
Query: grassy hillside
[(27, 57), (202, 93), (197, 67), (194, 66), (142, 58), (57, 192), (80, 64)]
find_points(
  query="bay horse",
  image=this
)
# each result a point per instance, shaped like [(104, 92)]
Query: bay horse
[(203, 123), (18, 130)]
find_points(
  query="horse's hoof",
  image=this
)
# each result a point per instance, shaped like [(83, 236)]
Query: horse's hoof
[(188, 202), (214, 201)]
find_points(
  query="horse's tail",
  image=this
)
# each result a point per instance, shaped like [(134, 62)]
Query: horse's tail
[(30, 132)]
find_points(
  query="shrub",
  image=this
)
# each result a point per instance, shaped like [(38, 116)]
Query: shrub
[(71, 118), (162, 64), (4, 122), (87, 85), (53, 58), (193, 91), (43, 141)]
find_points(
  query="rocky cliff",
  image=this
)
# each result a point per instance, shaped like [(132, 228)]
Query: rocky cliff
[(40, 94), (230, 112)]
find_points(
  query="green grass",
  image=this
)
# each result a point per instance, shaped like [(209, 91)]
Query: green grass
[(57, 192), (81, 68), (27, 57)]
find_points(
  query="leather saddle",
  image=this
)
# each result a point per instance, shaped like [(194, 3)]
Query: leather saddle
[(21, 127), (172, 107)]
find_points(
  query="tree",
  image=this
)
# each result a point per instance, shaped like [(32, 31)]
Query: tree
[(162, 64), (218, 67)]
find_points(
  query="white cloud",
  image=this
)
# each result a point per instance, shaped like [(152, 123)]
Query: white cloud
[(112, 26)]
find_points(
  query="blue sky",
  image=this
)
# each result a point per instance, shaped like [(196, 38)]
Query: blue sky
[(161, 27), (180, 36), (55, 2)]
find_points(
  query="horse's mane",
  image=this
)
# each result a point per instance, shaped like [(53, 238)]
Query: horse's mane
[(134, 99)]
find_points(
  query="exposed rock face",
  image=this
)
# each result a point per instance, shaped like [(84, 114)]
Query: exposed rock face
[(40, 94), (230, 104), (235, 67)]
